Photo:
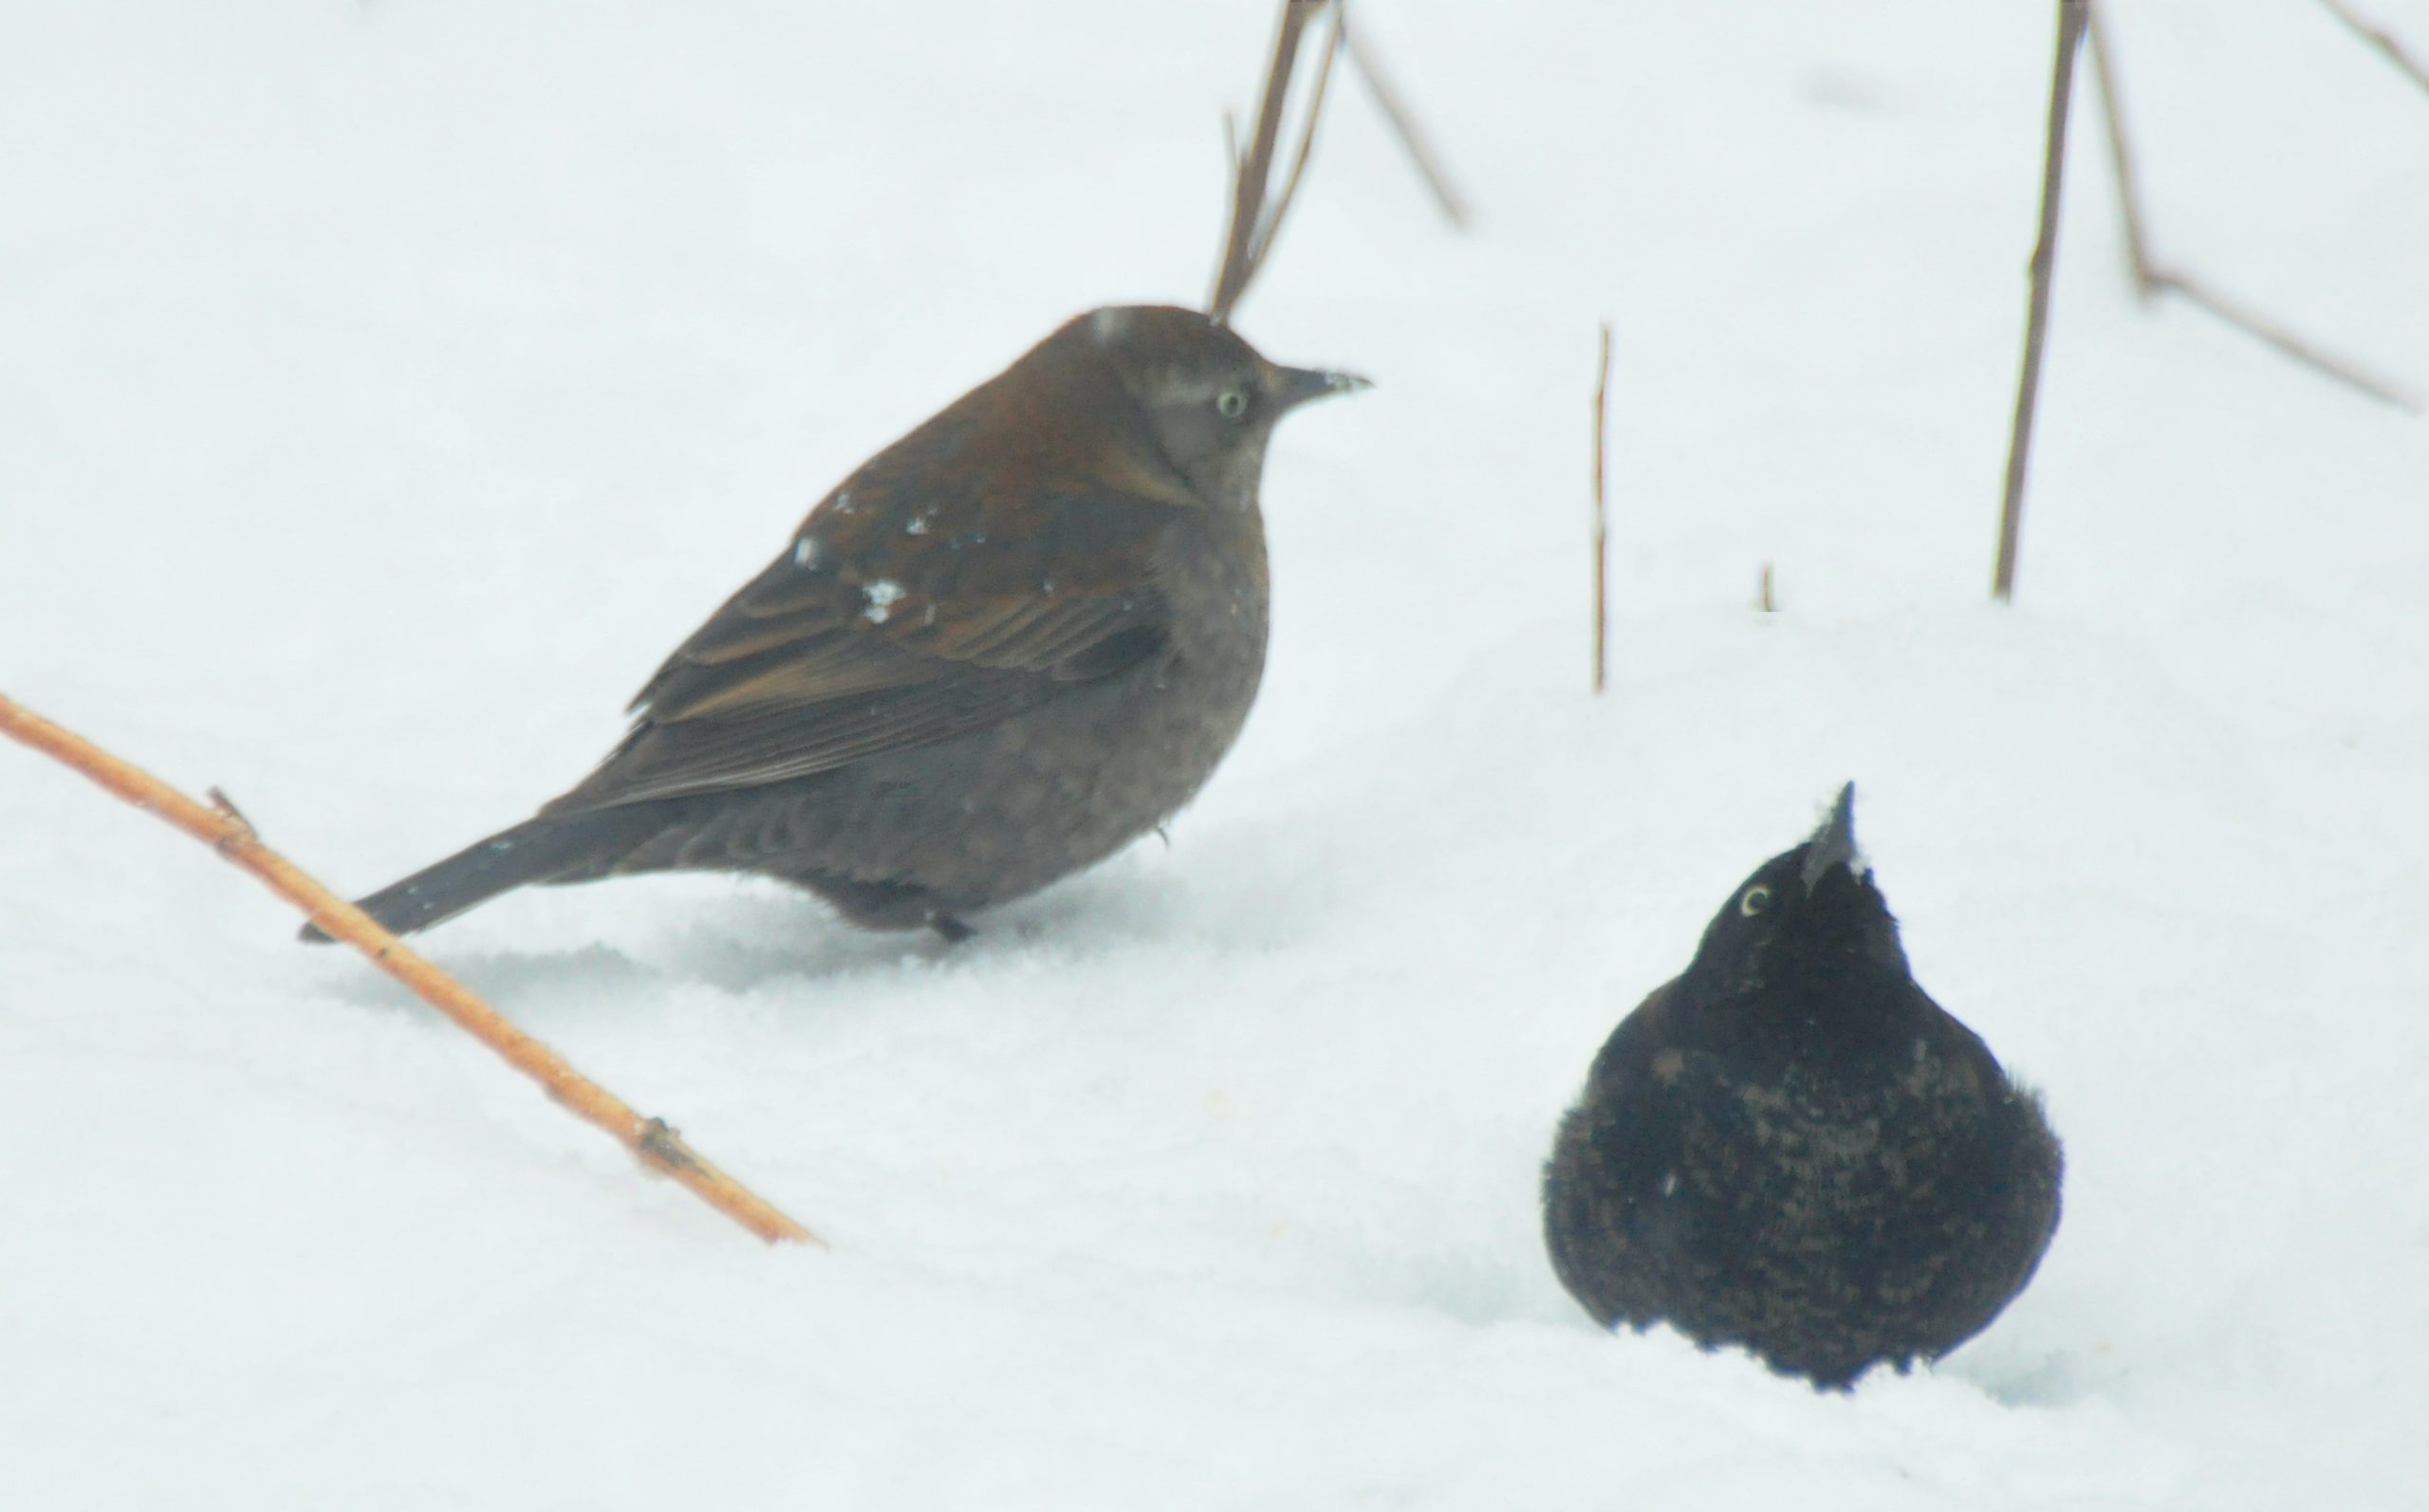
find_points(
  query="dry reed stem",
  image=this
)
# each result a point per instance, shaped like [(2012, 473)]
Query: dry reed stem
[(2286, 343), (225, 831), (2121, 159), (2153, 279), (1403, 123), (1272, 225), (2036, 323), (2379, 37), (1237, 267)]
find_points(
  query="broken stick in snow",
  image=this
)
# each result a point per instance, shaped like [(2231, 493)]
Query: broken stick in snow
[(225, 831)]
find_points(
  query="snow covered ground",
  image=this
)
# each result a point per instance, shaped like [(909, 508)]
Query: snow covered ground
[(384, 387)]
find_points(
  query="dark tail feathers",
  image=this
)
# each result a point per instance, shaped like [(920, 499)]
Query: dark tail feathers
[(537, 850)]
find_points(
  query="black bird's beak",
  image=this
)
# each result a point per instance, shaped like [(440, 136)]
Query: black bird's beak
[(1297, 385), (1834, 844)]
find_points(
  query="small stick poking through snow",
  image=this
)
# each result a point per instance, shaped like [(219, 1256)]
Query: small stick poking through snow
[(226, 830), (1601, 514), (2036, 323)]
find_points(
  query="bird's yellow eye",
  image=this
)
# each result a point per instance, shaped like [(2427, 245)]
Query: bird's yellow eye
[(1231, 404), (1758, 898)]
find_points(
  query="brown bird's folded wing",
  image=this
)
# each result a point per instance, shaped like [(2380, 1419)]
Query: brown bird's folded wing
[(893, 622)]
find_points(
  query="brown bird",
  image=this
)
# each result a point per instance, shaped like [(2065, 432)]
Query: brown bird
[(1004, 647), (1792, 1148)]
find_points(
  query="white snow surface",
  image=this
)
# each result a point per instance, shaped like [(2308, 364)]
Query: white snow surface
[(384, 387)]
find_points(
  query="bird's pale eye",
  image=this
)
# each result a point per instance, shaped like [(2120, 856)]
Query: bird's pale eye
[(1231, 404), (1758, 898)]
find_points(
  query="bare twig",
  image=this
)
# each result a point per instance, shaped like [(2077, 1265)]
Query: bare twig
[(1602, 515), (2120, 161), (2244, 318), (1413, 138), (2153, 279), (1237, 267), (1272, 223), (2377, 36), (225, 830), (2036, 325), (1764, 599)]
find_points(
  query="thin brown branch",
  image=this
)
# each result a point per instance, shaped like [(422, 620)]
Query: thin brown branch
[(2153, 279), (2121, 158), (1254, 222), (223, 829), (2377, 36), (2036, 323), (1237, 266), (1272, 223), (1601, 514), (2252, 322), (1404, 124)]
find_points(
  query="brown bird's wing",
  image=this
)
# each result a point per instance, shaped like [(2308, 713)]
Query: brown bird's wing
[(895, 621)]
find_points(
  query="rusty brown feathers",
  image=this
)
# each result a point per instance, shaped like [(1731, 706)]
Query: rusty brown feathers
[(1001, 649)]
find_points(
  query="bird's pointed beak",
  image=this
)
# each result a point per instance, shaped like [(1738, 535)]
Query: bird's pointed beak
[(1834, 844), (1294, 386)]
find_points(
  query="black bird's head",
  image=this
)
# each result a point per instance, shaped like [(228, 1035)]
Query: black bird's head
[(1209, 400), (1808, 927)]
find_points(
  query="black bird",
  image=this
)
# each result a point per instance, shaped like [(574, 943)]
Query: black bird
[(1004, 647), (1793, 1149)]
